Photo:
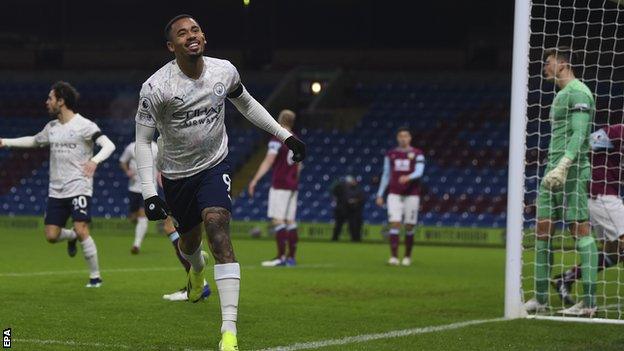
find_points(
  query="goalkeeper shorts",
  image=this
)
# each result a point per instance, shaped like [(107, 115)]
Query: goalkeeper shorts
[(569, 203)]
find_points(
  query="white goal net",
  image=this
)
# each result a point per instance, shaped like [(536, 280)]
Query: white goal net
[(594, 30)]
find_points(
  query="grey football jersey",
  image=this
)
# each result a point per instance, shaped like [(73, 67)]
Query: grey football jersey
[(128, 156), (71, 146), (189, 115)]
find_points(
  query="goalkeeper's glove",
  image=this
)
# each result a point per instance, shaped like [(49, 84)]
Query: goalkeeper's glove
[(556, 178)]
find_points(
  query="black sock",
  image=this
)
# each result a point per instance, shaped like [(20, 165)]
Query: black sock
[(604, 261)]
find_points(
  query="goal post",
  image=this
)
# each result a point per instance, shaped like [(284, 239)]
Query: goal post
[(515, 185), (594, 30)]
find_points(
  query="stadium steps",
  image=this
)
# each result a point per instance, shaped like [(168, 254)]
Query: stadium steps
[(242, 177)]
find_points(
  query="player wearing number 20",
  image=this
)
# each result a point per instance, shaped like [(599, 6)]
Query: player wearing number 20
[(72, 165), (563, 191), (185, 101)]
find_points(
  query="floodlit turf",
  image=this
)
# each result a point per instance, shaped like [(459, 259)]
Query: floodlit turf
[(339, 290)]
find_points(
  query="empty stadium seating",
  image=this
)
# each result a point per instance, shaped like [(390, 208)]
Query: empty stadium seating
[(462, 128)]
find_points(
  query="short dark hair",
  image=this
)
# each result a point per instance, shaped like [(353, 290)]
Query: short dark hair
[(172, 21), (564, 53), (404, 129), (65, 91)]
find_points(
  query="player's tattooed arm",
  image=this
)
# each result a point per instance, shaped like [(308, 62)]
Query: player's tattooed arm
[(217, 224)]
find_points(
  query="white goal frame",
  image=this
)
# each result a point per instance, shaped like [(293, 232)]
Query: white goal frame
[(514, 306)]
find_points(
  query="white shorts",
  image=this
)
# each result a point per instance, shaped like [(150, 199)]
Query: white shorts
[(403, 208), (606, 213), (282, 204)]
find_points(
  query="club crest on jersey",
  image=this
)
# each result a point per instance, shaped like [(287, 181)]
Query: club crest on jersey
[(219, 89), (411, 155), (145, 104)]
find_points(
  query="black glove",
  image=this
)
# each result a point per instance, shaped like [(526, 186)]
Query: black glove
[(298, 148), (156, 208)]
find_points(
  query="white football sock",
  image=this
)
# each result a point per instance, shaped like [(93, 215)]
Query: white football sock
[(66, 234), (140, 230), (174, 236), (227, 278), (196, 259), (90, 253)]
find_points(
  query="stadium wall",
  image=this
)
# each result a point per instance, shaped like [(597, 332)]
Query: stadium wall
[(428, 235)]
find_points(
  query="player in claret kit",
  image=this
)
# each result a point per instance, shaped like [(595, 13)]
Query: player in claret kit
[(403, 167), (563, 191), (606, 209), (185, 101), (127, 162), (71, 138), (282, 207)]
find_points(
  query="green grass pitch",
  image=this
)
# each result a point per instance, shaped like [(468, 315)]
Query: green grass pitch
[(338, 290)]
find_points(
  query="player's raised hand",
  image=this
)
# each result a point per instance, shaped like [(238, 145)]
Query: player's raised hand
[(89, 168), (156, 209), (298, 148), (251, 189), (379, 201)]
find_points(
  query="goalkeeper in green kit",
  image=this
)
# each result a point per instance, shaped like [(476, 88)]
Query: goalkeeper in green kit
[(563, 193)]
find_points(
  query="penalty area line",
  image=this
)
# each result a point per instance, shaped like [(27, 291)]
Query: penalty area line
[(378, 336)]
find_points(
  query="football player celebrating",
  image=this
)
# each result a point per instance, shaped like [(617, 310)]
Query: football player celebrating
[(71, 138), (185, 101), (403, 167)]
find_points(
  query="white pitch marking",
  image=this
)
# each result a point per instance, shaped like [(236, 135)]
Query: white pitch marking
[(387, 335), (151, 269)]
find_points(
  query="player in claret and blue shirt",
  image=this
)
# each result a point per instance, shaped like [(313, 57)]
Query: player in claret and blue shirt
[(403, 167), (282, 207)]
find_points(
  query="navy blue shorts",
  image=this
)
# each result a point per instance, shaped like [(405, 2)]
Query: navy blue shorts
[(135, 201), (187, 197), (58, 210)]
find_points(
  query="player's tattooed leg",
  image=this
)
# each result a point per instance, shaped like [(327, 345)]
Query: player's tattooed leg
[(217, 224)]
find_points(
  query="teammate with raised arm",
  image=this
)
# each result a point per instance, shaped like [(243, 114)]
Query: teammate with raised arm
[(185, 101), (71, 138), (282, 207), (563, 191), (606, 209), (403, 167), (127, 162)]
